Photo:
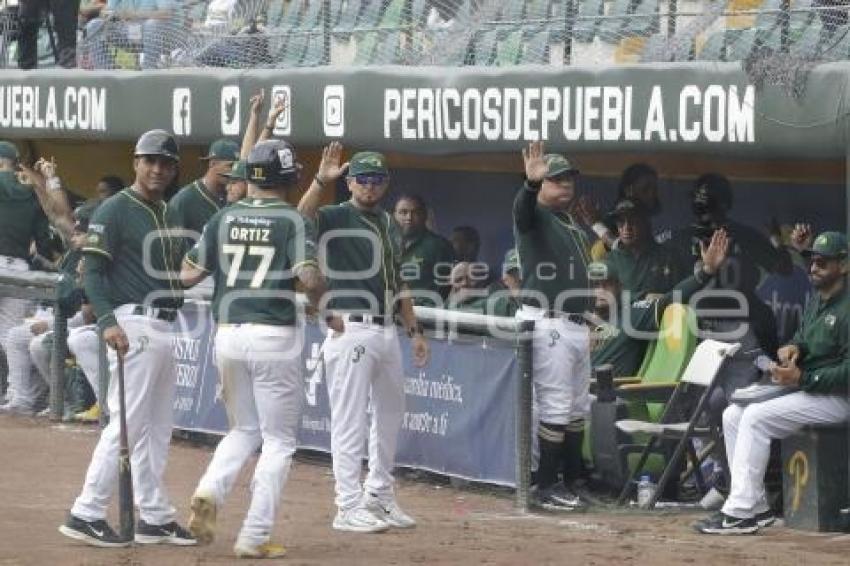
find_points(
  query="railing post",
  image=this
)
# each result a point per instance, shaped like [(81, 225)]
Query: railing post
[(57, 362), (525, 369)]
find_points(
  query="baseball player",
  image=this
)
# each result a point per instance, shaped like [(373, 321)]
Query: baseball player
[(195, 204), (817, 360), (28, 344), (237, 182), (131, 279), (553, 255), (255, 250), (22, 221), (363, 364)]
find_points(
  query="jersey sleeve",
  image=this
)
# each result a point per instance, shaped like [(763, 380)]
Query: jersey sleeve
[(103, 237), (325, 219), (203, 255)]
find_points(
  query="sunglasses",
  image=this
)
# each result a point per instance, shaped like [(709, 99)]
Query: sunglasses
[(370, 179)]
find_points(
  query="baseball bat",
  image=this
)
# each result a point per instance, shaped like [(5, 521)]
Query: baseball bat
[(125, 473)]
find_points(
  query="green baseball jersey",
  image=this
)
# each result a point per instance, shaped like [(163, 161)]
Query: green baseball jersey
[(131, 256), (824, 342), (362, 278), (427, 258), (553, 253), (655, 269), (613, 345), (194, 205), (253, 249), (68, 291), (22, 219)]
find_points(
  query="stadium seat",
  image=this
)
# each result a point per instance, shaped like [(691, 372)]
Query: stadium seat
[(740, 48), (587, 21), (714, 48), (655, 49), (291, 15), (509, 49), (313, 16), (388, 48), (536, 49), (315, 53), (537, 9), (349, 16), (836, 47), (686, 406), (485, 47), (611, 28), (512, 12), (807, 44), (644, 21), (294, 51)]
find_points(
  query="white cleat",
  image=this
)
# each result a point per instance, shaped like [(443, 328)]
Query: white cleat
[(389, 513), (358, 520)]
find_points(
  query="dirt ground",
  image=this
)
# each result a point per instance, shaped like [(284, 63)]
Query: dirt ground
[(43, 465)]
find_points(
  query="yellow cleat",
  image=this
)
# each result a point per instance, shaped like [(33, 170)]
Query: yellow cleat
[(202, 519), (90, 415), (265, 550)]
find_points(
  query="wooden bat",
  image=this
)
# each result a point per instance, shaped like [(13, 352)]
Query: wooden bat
[(125, 473)]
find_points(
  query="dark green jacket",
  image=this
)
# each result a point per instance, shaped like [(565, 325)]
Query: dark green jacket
[(22, 220), (824, 342), (427, 259)]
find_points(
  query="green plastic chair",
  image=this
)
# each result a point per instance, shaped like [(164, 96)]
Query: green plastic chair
[(584, 30), (646, 21), (485, 47), (611, 29), (508, 50), (537, 48)]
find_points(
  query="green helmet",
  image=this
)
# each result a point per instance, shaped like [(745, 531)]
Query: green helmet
[(158, 142)]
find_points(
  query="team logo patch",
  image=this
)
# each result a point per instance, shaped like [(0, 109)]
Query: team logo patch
[(554, 335), (143, 343), (286, 159), (358, 352), (829, 320)]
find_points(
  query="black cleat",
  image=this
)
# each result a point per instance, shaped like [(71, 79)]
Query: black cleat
[(722, 524), (170, 533), (559, 498), (765, 519), (95, 533)]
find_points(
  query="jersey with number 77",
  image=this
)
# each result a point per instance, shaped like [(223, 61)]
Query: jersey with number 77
[(253, 249)]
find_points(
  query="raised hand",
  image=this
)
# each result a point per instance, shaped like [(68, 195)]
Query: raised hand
[(802, 237), (330, 168), (714, 254), (257, 102), (535, 165)]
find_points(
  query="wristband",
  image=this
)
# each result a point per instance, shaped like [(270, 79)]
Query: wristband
[(414, 330), (54, 184), (319, 182), (268, 127), (533, 185)]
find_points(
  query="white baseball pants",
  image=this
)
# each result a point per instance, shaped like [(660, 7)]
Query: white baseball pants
[(561, 350), (83, 344), (25, 384), (748, 431), (263, 389), (363, 370), (149, 381)]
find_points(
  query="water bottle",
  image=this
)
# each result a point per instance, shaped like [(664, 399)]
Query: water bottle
[(646, 489)]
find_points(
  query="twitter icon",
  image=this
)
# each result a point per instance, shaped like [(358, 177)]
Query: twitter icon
[(230, 106)]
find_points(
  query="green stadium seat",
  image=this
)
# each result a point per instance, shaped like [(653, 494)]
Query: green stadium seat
[(512, 12), (645, 20), (274, 14), (388, 49), (485, 47), (612, 27), (371, 13), (767, 17), (313, 16), (349, 16), (418, 12), (537, 9), (536, 50), (740, 47), (509, 49), (315, 53), (807, 44), (714, 48), (587, 23)]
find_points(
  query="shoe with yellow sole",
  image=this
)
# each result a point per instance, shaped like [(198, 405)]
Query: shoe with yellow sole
[(202, 519), (265, 550), (90, 415)]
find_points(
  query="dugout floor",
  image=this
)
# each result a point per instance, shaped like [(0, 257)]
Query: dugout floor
[(43, 465)]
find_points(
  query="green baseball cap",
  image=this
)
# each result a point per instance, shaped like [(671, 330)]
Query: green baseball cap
[(558, 165), (829, 244), (511, 260), (365, 162), (224, 150), (8, 150), (239, 172), (628, 207)]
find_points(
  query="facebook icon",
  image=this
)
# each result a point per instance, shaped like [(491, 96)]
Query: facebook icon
[(181, 104)]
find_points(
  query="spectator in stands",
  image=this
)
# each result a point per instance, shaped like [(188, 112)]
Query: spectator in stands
[(466, 243), (640, 264), (817, 360), (153, 24), (108, 186), (463, 291), (610, 342), (89, 10), (426, 256), (32, 14), (750, 252)]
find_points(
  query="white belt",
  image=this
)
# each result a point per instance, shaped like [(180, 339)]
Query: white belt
[(142, 310)]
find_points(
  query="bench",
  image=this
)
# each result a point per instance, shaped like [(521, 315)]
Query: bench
[(815, 484)]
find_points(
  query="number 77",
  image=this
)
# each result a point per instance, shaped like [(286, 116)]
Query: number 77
[(266, 254)]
